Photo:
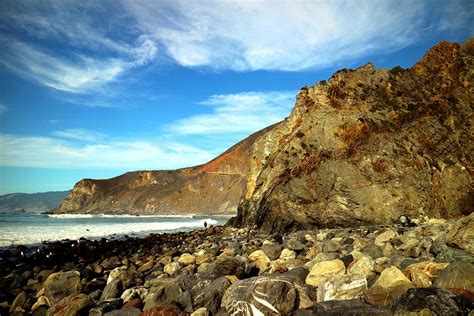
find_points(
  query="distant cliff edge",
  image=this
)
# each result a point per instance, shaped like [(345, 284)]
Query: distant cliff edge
[(35, 202), (213, 188)]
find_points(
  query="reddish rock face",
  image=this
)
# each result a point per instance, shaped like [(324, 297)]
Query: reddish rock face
[(368, 146), (213, 188)]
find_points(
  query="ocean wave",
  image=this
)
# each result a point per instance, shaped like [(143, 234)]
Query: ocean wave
[(70, 215), (116, 216), (31, 234)]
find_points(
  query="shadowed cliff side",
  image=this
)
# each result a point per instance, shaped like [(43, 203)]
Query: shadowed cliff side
[(213, 188), (369, 145)]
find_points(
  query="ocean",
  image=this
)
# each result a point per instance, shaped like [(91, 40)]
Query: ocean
[(30, 228)]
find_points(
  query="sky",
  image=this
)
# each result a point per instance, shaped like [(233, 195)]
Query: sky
[(93, 89)]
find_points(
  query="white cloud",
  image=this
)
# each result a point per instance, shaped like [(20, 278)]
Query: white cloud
[(241, 113), (51, 152), (80, 134), (63, 73), (286, 35), (3, 109)]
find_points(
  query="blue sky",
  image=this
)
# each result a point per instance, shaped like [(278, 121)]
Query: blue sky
[(92, 89)]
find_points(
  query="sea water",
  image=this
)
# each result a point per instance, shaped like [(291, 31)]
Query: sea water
[(30, 228)]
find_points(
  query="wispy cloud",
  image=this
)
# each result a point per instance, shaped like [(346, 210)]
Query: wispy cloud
[(63, 73), (3, 109), (290, 35), (80, 134), (241, 113), (52, 152)]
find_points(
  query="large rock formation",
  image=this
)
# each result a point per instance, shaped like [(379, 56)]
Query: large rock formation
[(213, 188), (369, 145)]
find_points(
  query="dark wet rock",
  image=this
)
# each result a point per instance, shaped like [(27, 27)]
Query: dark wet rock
[(111, 263), (18, 302), (94, 285), (71, 305), (112, 290), (462, 234), (267, 294), (61, 284), (348, 241), (458, 275), (164, 311), (294, 245), (330, 246), (439, 244), (229, 266), (211, 296), (407, 262), (372, 250), (347, 260), (449, 254), (168, 294), (297, 275), (349, 307), (110, 304), (124, 312), (438, 301), (40, 311), (272, 251), (128, 277)]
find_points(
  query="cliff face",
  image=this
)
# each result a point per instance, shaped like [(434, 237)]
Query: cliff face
[(212, 188), (369, 145)]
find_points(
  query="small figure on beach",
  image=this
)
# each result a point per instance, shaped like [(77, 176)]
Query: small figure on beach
[(406, 222), (205, 224)]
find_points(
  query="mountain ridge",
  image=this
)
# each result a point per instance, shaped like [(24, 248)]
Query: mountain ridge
[(368, 146), (211, 188)]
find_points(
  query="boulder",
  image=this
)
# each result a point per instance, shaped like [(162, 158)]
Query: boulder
[(272, 250), (229, 266), (423, 273), (124, 312), (390, 285), (331, 246), (343, 287), (260, 296), (384, 237), (462, 234), (458, 275), (112, 290), (449, 254), (436, 301), (164, 311), (202, 311), (187, 259), (18, 302), (133, 293), (322, 270), (41, 301), (260, 260), (210, 297), (168, 294), (365, 266), (128, 277), (172, 268), (71, 305), (372, 250), (287, 254), (347, 307), (60, 285)]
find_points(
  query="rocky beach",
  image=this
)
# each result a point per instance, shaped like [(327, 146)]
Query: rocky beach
[(426, 269), (360, 202)]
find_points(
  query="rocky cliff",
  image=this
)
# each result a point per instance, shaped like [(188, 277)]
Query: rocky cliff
[(369, 145), (213, 188), (34, 202)]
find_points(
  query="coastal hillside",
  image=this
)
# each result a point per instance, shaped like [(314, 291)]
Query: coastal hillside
[(369, 145), (35, 202), (213, 188)]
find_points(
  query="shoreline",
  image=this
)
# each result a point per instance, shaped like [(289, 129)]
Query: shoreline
[(373, 269)]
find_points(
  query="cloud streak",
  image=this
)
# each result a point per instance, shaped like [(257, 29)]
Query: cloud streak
[(290, 35), (240, 113), (53, 152)]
